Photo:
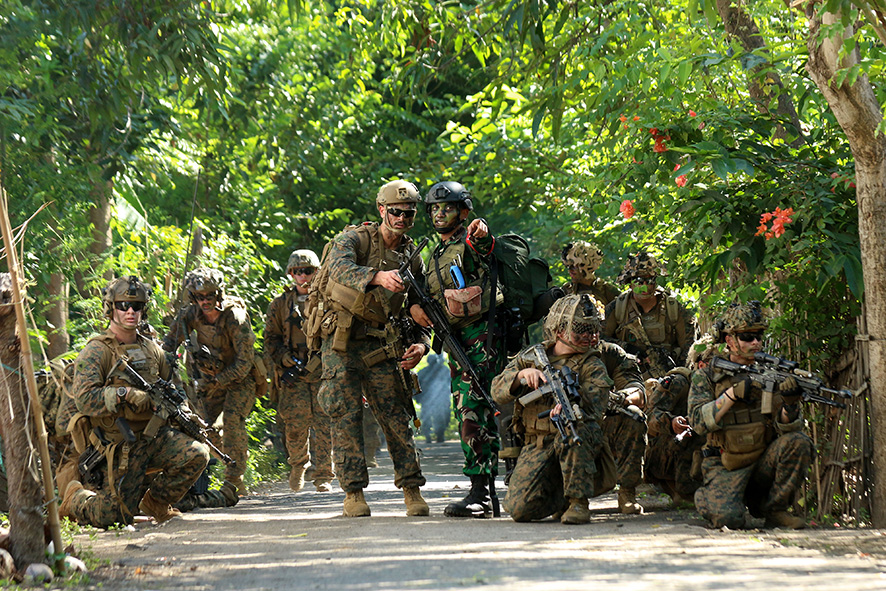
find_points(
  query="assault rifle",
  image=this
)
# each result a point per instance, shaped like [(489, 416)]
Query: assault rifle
[(562, 384), (293, 372), (618, 404), (394, 340), (169, 403), (769, 371), (441, 327)]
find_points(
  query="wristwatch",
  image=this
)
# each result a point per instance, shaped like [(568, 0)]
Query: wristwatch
[(121, 393)]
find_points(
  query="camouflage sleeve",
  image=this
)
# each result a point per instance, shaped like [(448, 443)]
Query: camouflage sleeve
[(668, 401), (481, 247), (177, 331), (275, 334), (625, 372), (501, 384), (342, 261), (701, 403), (93, 367), (610, 292), (595, 387), (237, 325), (165, 368), (609, 324)]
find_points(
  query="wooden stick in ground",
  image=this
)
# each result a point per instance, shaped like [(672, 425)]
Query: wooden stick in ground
[(27, 365)]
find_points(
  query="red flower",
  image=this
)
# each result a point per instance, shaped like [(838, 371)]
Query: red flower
[(636, 117), (627, 209), (622, 118), (653, 130), (659, 145), (779, 218), (691, 113)]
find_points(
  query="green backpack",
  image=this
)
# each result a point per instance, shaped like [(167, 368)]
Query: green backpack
[(526, 283)]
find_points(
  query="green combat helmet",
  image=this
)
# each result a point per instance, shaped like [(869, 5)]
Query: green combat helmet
[(741, 318), (703, 350), (583, 256), (641, 264), (302, 258), (397, 192), (578, 314), (125, 289), (204, 281)]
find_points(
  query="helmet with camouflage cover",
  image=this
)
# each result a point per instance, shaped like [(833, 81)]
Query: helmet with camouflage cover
[(576, 314), (397, 192), (703, 350), (742, 318), (302, 258), (641, 264), (125, 289), (584, 257), (203, 280)]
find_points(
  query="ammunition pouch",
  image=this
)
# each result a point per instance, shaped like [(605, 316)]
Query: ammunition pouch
[(741, 445), (260, 373), (464, 303)]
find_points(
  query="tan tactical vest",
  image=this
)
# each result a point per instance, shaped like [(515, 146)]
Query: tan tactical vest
[(746, 430), (660, 324)]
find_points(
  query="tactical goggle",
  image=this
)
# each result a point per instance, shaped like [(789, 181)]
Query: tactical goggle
[(204, 297), (135, 306), (749, 337), (397, 212), (302, 270)]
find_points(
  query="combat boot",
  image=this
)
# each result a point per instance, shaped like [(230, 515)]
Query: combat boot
[(71, 491), (578, 512), (415, 504), (323, 485), (784, 519), (627, 501), (229, 492), (478, 502), (355, 505), (297, 479), (159, 511)]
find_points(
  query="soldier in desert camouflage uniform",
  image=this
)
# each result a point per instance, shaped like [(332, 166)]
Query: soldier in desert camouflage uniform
[(647, 321), (549, 474), (753, 462), (296, 377), (365, 346), (222, 365), (107, 403), (582, 259)]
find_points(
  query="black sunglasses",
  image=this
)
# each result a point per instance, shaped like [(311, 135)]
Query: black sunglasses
[(749, 337), (204, 297), (643, 280), (302, 270), (123, 306), (397, 212)]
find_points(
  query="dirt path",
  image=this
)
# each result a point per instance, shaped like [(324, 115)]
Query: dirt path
[(277, 540)]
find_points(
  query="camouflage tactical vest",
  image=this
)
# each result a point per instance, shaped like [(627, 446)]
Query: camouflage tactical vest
[(440, 278)]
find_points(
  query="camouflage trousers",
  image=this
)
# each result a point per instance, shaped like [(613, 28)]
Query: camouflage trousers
[(236, 401), (548, 473), (346, 378), (477, 427), (371, 440), (627, 440), (766, 486), (179, 459), (669, 464), (305, 422)]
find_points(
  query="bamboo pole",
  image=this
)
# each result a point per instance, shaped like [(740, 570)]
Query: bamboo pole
[(31, 382)]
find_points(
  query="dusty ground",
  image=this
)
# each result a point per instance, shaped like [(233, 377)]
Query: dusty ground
[(276, 540)]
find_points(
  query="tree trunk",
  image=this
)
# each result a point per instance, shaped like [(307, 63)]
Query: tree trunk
[(858, 113), (100, 221), (26, 539), (57, 315)]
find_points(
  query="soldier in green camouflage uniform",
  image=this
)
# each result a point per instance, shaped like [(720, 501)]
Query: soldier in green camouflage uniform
[(296, 377), (647, 321), (582, 259), (364, 309), (467, 248), (552, 477), (107, 402), (753, 462), (221, 363), (673, 454)]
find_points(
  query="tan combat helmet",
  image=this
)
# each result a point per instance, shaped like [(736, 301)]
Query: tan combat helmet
[(742, 318), (703, 350), (125, 289), (578, 314), (205, 281), (302, 258), (641, 264), (397, 192), (5, 289), (583, 256)]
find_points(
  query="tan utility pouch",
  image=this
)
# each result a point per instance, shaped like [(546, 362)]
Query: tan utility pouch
[(465, 302), (743, 445), (260, 373)]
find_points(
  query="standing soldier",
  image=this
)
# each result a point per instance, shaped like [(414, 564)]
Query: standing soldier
[(551, 475), (369, 345), (219, 340), (296, 379), (582, 259), (116, 419), (752, 461), (458, 278)]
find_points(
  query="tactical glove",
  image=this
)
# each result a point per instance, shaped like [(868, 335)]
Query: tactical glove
[(790, 390), (742, 389), (138, 399)]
